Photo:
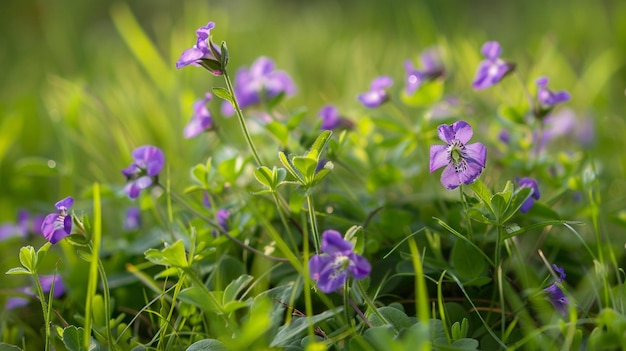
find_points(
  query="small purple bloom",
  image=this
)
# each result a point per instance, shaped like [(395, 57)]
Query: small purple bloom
[(377, 94), (330, 117), (432, 68), (504, 136), (57, 226), (143, 172), (492, 69), (260, 82), (46, 285), (133, 219), (528, 183), (222, 218), (464, 163), (10, 230), (203, 53), (555, 294), (549, 98), (331, 269), (201, 119)]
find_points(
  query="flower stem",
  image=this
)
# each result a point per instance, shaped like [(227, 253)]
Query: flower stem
[(45, 309), (313, 220), (240, 118)]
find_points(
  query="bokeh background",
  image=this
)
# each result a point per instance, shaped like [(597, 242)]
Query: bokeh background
[(82, 83)]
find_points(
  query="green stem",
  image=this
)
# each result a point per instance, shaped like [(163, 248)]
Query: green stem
[(468, 222), (313, 220), (283, 219), (240, 118), (45, 309), (107, 302), (370, 304), (308, 304), (92, 282)]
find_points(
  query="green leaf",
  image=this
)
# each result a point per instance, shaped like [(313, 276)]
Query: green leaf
[(394, 316), (467, 262), (427, 94), (279, 131), (235, 287), (28, 259), (18, 270), (7, 347), (224, 55), (514, 114), (466, 344), (207, 345), (172, 255), (296, 118), (73, 338), (223, 93), (318, 146), (264, 176), (296, 329), (201, 298), (306, 166), (482, 192), (289, 166), (199, 175)]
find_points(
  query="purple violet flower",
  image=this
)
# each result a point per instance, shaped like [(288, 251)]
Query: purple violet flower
[(464, 163), (528, 183), (143, 172), (57, 226), (377, 94), (331, 269), (201, 119), (46, 285), (548, 98), (203, 53), (133, 218), (222, 218), (330, 117), (432, 68), (11, 230), (555, 294), (492, 69), (260, 82)]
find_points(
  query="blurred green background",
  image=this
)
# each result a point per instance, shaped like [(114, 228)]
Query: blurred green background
[(85, 82)]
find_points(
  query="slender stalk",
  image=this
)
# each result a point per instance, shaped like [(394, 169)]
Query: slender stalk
[(308, 304), (313, 220), (44, 308), (92, 281), (107, 303), (240, 118), (468, 222)]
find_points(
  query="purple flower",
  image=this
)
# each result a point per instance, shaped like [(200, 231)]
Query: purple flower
[(330, 117), (492, 69), (46, 285), (222, 218), (57, 226), (331, 269), (201, 119), (432, 68), (11, 230), (377, 93), (143, 172), (555, 294), (260, 82), (504, 136), (548, 98), (528, 183), (464, 163), (203, 53), (133, 219)]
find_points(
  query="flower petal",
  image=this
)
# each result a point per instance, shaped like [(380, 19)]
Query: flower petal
[(449, 178), (462, 131), (333, 242), (471, 173), (359, 266), (64, 204), (491, 50), (438, 157), (476, 153), (189, 57)]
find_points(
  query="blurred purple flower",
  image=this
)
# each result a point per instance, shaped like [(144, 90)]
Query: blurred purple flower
[(260, 82), (331, 269), (203, 53), (10, 230), (377, 94), (46, 285), (464, 163), (432, 68), (201, 119), (492, 69), (504, 136), (555, 294), (147, 163), (529, 183), (222, 216), (330, 117), (57, 226), (132, 221), (548, 98)]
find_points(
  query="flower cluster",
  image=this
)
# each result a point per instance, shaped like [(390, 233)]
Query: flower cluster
[(464, 162), (338, 261), (143, 172), (58, 225)]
